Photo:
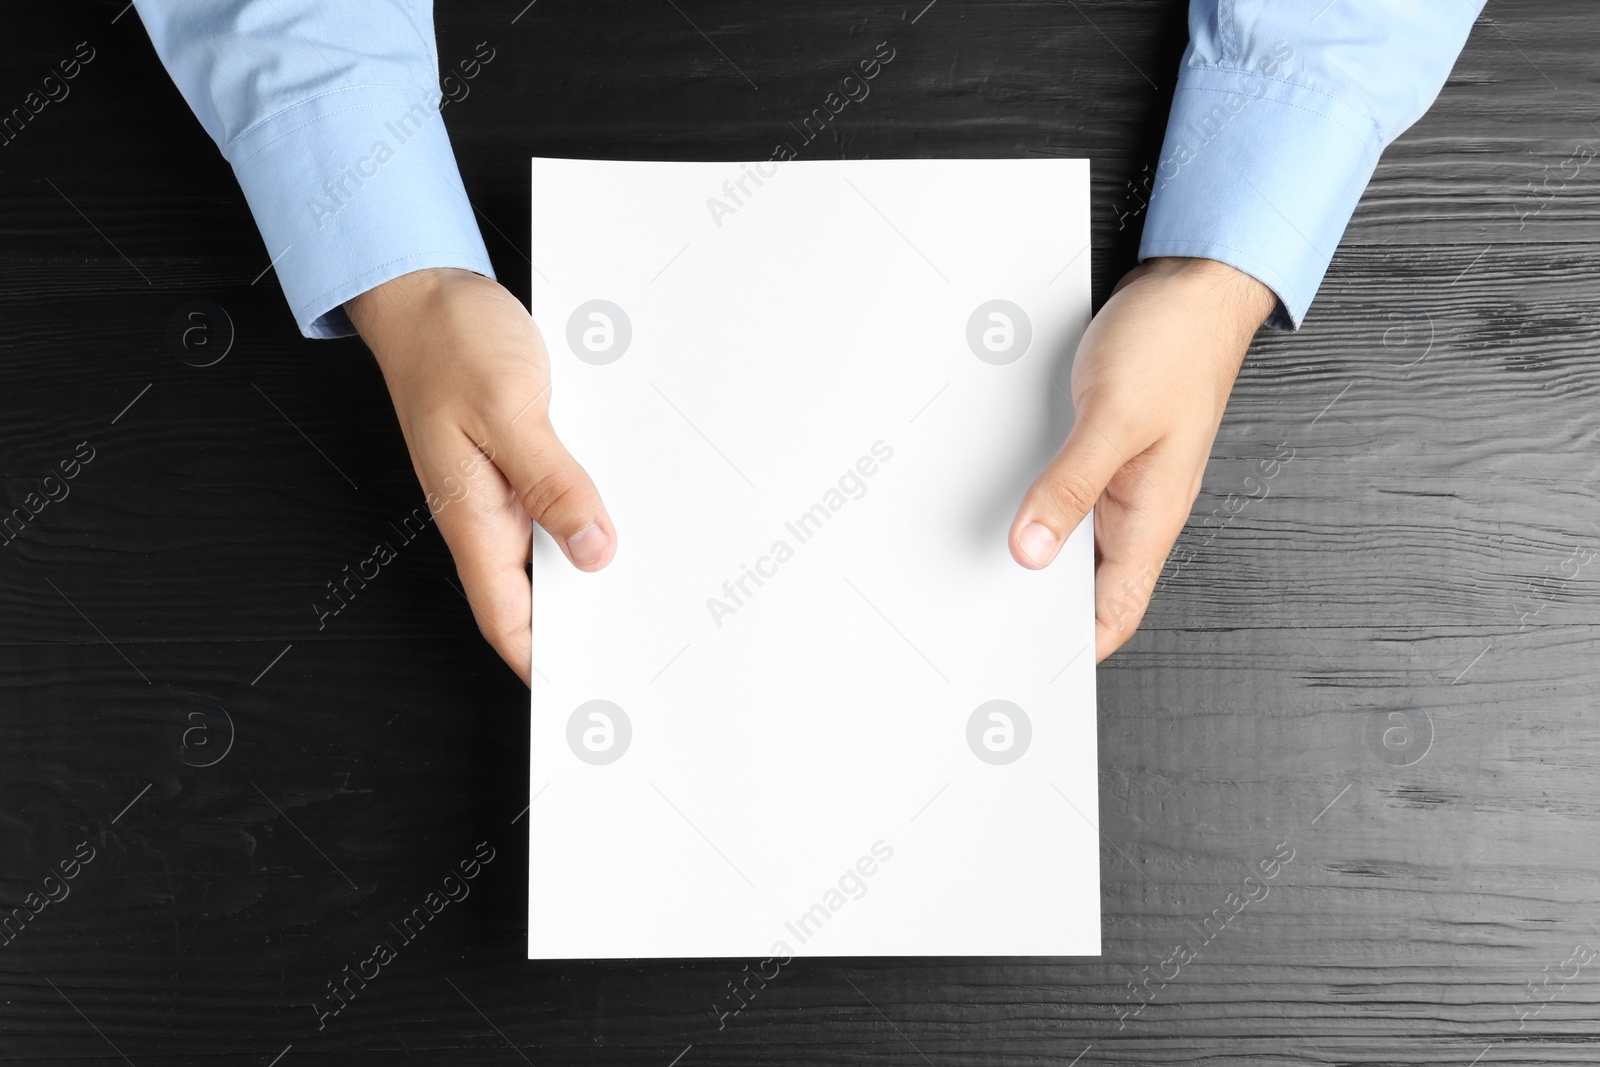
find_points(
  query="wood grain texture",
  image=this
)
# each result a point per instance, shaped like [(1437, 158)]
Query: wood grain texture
[(1441, 408)]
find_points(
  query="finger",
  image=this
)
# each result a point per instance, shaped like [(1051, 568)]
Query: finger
[(489, 536), (555, 491), (1134, 543), (1122, 590), (501, 600), (1064, 493)]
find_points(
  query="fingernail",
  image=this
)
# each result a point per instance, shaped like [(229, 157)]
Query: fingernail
[(1037, 543), (587, 546)]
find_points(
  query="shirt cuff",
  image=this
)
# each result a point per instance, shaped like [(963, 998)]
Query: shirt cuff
[(350, 189), (1262, 174)]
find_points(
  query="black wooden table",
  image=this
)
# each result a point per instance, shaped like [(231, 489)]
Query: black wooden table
[(1382, 667)]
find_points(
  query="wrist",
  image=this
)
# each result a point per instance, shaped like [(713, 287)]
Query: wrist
[(394, 310), (1238, 297)]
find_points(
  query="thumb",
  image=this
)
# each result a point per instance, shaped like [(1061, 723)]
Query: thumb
[(1060, 497), (556, 491)]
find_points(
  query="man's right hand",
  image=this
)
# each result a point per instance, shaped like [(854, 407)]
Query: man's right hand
[(470, 381)]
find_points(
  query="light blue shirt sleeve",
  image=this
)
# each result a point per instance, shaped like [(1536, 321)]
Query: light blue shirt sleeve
[(328, 111), (1281, 110)]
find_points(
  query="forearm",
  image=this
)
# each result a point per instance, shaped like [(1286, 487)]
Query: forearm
[(1281, 111), (328, 112)]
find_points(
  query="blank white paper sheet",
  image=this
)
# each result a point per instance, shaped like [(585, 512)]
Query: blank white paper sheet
[(813, 707)]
